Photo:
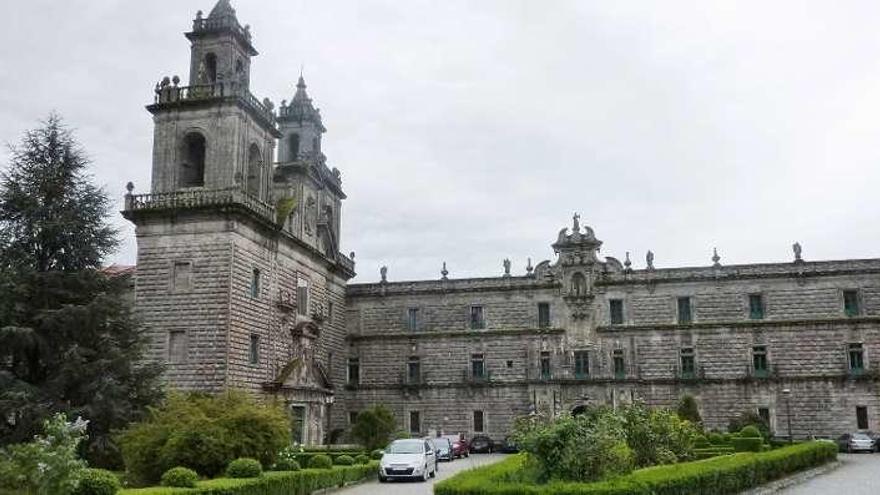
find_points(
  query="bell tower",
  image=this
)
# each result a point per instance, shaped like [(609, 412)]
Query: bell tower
[(214, 134)]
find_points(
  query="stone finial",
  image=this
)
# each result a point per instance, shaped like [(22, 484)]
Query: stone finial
[(576, 224), (268, 104), (529, 267), (649, 259), (796, 247), (351, 256), (627, 263), (199, 15), (506, 264), (715, 258), (129, 187), (444, 272), (175, 80), (383, 272)]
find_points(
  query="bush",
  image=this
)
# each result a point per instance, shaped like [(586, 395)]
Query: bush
[(321, 461), (96, 482), (747, 444), (750, 432), (361, 459), (749, 418), (344, 460), (244, 467), (286, 465), (719, 476), (373, 427), (180, 477), (376, 454), (701, 442), (658, 436), (204, 433), (716, 439), (688, 410)]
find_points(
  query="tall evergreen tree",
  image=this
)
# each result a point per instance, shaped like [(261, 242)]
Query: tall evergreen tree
[(68, 341)]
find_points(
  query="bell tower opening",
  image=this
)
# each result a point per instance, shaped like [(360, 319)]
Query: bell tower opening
[(210, 68), (192, 164), (293, 146), (255, 170)]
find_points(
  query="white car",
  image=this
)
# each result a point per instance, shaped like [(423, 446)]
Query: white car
[(409, 458)]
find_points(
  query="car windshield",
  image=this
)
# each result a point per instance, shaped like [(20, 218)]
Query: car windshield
[(406, 447), (860, 436), (442, 445)]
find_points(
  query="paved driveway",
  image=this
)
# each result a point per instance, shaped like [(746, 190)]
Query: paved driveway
[(407, 487), (858, 474)]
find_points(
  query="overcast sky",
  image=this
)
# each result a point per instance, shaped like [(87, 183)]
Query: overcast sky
[(470, 131)]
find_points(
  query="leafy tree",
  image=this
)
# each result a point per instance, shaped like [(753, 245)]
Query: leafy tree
[(373, 427), (68, 340), (687, 409), (658, 436)]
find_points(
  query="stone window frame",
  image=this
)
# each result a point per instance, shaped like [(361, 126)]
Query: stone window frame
[(850, 347), (254, 349), (482, 324), (172, 282), (409, 421), (618, 352), (478, 357), (623, 308), (860, 306), (548, 323), (691, 352), (416, 360), (586, 360), (412, 318), (859, 408), (484, 419), (771, 415), (302, 310), (356, 361), (256, 284), (185, 355), (545, 357), (748, 305), (767, 359), (352, 417), (692, 299)]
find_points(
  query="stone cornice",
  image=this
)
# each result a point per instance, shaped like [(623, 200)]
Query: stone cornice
[(749, 324), (461, 285), (468, 334)]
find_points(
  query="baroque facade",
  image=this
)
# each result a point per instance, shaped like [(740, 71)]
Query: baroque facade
[(240, 284)]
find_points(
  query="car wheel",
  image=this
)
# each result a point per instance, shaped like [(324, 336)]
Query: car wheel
[(425, 474), (382, 479), (434, 472)]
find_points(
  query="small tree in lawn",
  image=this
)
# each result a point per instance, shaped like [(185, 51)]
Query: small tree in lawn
[(687, 409), (373, 427)]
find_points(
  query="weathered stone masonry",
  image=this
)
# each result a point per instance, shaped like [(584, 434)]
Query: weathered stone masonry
[(240, 284)]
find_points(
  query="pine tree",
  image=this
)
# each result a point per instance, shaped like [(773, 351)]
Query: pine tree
[(68, 341)]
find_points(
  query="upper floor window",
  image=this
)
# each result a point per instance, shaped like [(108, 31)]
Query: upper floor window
[(856, 357), (255, 283), (684, 311), (760, 362), (478, 366), (851, 303), (756, 306), (688, 367), (581, 364), (302, 296), (192, 163), (293, 143), (615, 307), (352, 417), (354, 371), (862, 417), (619, 363), (543, 315), (477, 319), (414, 370), (254, 349), (415, 422), (412, 319), (177, 347), (182, 277), (546, 372), (478, 422), (210, 69)]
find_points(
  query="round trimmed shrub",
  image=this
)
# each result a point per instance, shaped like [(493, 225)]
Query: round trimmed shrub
[(376, 454), (716, 439), (97, 482), (344, 460), (244, 467), (750, 432), (321, 461), (701, 443), (286, 465), (180, 477), (362, 459)]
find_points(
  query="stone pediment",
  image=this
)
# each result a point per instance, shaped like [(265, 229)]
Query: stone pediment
[(302, 373)]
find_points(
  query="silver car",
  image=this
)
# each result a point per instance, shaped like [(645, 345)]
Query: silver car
[(855, 442), (408, 458)]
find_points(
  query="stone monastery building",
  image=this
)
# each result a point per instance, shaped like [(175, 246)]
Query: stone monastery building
[(240, 283)]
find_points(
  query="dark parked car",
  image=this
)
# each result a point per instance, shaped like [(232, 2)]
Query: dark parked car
[(875, 436), (460, 447), (509, 447), (855, 442), (481, 444), (443, 447)]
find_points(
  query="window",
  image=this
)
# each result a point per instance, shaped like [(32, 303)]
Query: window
[(851, 302), (543, 315), (182, 276), (756, 307), (352, 417), (509, 364), (354, 371), (759, 360), (581, 364), (616, 309), (412, 319), (293, 143), (478, 422), (255, 284), (413, 370), (477, 321), (764, 414), (330, 312), (302, 296), (478, 368), (192, 166), (177, 346), (861, 417), (255, 171), (619, 364), (687, 362), (684, 311), (415, 422), (545, 365), (210, 69), (254, 349), (856, 358), (297, 424)]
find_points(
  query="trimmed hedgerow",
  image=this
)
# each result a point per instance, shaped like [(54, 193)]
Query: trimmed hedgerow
[(362, 459), (719, 475), (286, 465), (271, 483)]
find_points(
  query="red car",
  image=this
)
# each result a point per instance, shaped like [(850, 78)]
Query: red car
[(460, 447)]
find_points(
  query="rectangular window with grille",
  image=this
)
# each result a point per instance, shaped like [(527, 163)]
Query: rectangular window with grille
[(619, 363), (415, 422), (254, 349), (477, 320), (760, 363), (756, 307), (302, 296), (856, 358), (616, 310), (478, 422), (255, 284), (545, 365), (685, 315), (543, 315), (412, 319), (177, 347), (862, 417), (478, 367), (688, 367), (354, 371), (581, 364), (414, 370), (851, 303)]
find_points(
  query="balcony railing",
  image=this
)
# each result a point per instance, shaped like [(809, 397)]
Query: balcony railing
[(210, 24), (413, 381), (169, 93), (477, 378), (198, 198)]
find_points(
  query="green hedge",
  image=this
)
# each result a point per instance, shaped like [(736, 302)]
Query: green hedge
[(303, 458), (719, 475), (301, 482), (713, 451), (747, 444)]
